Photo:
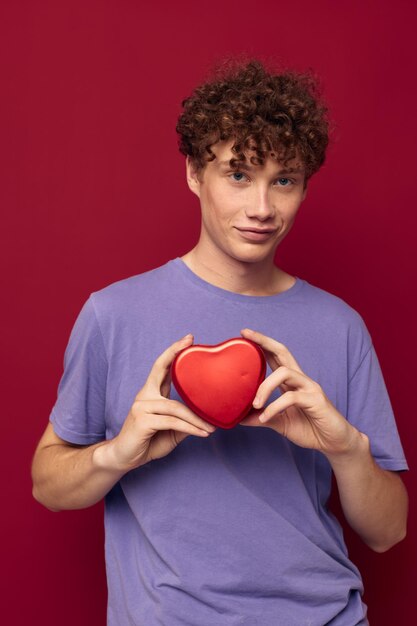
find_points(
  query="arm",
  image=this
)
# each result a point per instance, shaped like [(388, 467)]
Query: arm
[(68, 476), (374, 500)]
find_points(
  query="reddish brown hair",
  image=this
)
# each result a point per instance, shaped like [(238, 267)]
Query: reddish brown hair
[(277, 114)]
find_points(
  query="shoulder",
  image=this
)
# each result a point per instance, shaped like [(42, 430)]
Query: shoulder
[(138, 289), (332, 314), (328, 304)]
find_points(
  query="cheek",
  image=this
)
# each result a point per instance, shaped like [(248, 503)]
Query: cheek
[(221, 206)]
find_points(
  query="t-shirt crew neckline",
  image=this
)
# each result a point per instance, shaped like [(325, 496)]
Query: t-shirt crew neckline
[(180, 265)]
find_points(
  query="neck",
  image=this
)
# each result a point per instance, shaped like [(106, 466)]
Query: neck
[(262, 278)]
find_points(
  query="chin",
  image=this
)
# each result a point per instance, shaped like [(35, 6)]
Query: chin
[(252, 256)]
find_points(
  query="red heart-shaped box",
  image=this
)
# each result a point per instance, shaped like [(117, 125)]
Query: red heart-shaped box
[(219, 382)]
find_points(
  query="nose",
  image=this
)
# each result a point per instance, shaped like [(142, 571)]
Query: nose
[(260, 205)]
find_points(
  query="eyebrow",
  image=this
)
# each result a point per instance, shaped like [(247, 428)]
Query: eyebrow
[(242, 165)]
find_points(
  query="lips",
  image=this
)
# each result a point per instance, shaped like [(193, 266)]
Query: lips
[(257, 230), (255, 235)]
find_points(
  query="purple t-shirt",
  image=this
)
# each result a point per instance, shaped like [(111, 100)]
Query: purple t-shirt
[(231, 529)]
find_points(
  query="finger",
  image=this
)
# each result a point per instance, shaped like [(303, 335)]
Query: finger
[(299, 399), (181, 436), (161, 368), (174, 408), (275, 351), (155, 422), (166, 384), (282, 376), (251, 419)]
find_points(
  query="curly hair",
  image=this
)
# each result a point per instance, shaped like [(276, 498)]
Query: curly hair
[(281, 114)]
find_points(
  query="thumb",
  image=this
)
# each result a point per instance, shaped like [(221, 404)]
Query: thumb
[(160, 371)]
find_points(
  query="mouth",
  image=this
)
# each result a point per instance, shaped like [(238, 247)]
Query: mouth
[(256, 234)]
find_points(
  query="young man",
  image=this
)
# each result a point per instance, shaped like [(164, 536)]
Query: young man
[(230, 527)]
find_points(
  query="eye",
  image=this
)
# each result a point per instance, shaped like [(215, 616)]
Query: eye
[(286, 180), (239, 174)]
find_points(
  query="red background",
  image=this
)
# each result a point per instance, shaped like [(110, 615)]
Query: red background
[(93, 190)]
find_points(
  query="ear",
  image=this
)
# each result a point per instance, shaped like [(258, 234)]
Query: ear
[(192, 178)]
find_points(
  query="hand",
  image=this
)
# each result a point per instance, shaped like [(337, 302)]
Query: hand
[(155, 425), (303, 413)]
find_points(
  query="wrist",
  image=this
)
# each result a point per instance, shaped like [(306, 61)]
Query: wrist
[(105, 458), (357, 446)]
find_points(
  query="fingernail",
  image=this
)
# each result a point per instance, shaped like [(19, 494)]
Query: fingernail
[(186, 337), (262, 417), (257, 401)]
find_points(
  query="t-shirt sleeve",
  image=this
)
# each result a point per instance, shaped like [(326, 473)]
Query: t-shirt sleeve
[(370, 410), (78, 415)]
